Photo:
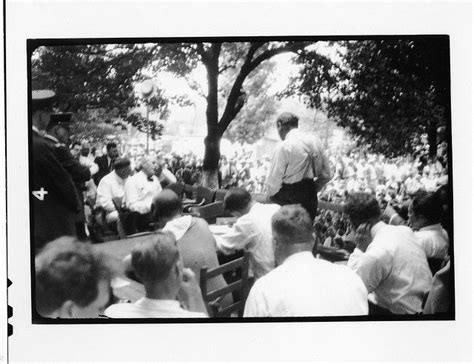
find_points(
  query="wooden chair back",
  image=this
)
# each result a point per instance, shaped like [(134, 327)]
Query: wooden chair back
[(209, 212), (205, 193), (213, 298), (177, 188), (220, 194)]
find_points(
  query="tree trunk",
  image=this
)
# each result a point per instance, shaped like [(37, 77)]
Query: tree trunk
[(433, 139), (212, 155), (212, 142)]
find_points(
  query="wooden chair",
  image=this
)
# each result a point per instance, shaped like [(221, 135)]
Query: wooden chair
[(177, 188), (220, 194), (208, 212), (213, 298)]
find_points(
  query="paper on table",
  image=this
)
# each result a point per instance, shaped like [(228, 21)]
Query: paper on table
[(118, 282), (219, 229)]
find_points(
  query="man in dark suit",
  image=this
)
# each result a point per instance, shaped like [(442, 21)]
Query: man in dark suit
[(106, 162), (57, 135), (53, 200)]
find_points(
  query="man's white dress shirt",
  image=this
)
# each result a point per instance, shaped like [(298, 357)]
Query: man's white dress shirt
[(110, 186), (394, 267), (434, 241), (292, 160), (150, 308), (89, 163), (253, 232), (140, 192), (306, 286)]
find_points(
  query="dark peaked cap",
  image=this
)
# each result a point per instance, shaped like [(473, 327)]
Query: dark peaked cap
[(42, 99)]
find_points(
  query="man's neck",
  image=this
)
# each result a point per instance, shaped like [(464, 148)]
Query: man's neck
[(295, 249), (163, 290)]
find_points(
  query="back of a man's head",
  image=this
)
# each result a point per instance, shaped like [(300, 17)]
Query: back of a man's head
[(428, 205), (68, 271), (361, 207), (288, 120), (154, 258), (167, 205), (292, 225), (237, 199)]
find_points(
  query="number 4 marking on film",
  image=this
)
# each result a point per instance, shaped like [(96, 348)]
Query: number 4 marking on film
[(40, 194)]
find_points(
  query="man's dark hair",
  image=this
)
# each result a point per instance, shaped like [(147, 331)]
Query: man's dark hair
[(293, 224), (167, 204), (153, 259), (428, 205), (288, 119), (237, 199), (360, 207), (67, 269), (121, 163), (111, 145)]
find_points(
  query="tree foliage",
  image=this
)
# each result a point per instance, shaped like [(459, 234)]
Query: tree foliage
[(387, 93)]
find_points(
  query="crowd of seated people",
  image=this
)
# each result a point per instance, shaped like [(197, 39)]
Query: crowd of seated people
[(387, 271), (393, 230)]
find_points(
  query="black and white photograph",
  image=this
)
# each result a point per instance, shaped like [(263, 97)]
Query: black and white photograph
[(242, 178), (182, 182)]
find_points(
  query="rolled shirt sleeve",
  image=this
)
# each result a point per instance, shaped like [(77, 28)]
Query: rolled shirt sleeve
[(372, 266)]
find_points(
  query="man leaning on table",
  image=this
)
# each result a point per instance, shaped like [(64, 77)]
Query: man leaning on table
[(388, 258), (171, 290), (252, 231)]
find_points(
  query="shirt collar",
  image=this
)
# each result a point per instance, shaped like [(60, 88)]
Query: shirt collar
[(150, 302), (299, 256), (431, 227), (179, 226), (292, 133), (377, 227)]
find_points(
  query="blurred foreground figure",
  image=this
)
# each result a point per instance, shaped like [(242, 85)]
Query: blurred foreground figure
[(299, 168), (171, 290), (388, 258), (302, 285), (72, 281), (55, 202)]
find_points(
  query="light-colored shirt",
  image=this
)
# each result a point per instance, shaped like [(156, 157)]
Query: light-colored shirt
[(110, 186), (253, 232), (140, 192), (306, 286), (167, 176), (86, 161), (394, 267), (434, 241), (150, 308), (292, 160)]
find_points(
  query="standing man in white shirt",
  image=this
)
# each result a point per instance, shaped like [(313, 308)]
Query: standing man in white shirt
[(140, 191), (390, 262), (302, 285), (299, 167), (252, 231), (112, 186)]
